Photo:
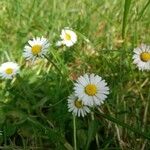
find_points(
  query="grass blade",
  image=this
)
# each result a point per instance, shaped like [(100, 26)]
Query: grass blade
[(124, 125), (125, 16), (143, 10)]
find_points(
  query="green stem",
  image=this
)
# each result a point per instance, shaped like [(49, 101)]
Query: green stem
[(63, 76), (74, 132), (54, 65)]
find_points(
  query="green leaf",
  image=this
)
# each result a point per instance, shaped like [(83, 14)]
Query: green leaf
[(41, 102), (82, 135), (2, 116), (16, 115), (93, 126), (9, 129)]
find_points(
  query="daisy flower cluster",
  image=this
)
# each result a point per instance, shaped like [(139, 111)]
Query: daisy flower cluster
[(90, 90), (36, 48)]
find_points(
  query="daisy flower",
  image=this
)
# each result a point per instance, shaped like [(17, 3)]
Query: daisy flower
[(141, 57), (68, 37), (76, 106), (91, 89), (8, 70), (37, 47)]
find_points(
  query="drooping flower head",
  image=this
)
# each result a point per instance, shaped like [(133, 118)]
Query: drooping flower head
[(91, 89), (37, 47), (68, 38), (141, 57), (76, 106), (8, 70)]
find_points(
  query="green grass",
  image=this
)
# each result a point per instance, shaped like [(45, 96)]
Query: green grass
[(33, 107)]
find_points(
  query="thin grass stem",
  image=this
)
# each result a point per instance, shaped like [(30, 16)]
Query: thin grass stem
[(54, 65), (74, 133)]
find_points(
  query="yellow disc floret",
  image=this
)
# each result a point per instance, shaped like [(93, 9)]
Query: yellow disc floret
[(78, 103), (91, 89), (36, 49), (145, 56), (9, 71), (67, 37)]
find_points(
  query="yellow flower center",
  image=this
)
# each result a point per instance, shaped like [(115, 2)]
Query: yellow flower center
[(78, 103), (90, 89), (145, 56), (9, 71), (67, 37), (36, 49)]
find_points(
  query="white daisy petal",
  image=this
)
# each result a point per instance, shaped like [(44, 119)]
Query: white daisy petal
[(82, 80)]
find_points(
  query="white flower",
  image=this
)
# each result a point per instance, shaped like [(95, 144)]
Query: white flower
[(37, 47), (91, 89), (8, 70), (69, 38), (59, 43), (141, 57), (76, 106)]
